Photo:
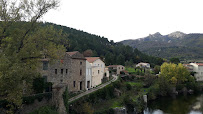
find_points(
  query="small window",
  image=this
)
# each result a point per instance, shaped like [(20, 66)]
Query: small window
[(61, 80), (80, 72), (80, 63), (122, 67), (45, 65), (98, 64), (55, 71), (98, 71), (73, 83), (61, 71), (66, 71)]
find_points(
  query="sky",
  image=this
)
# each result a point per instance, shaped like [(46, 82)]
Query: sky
[(129, 19)]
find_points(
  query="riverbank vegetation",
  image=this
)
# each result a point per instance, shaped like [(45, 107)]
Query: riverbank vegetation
[(128, 91)]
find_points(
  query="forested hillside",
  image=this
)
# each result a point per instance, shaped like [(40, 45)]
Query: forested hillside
[(112, 53), (177, 44)]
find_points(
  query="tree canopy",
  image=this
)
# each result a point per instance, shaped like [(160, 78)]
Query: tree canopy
[(22, 44)]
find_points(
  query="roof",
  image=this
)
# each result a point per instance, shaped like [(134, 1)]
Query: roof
[(199, 64), (72, 53), (91, 59)]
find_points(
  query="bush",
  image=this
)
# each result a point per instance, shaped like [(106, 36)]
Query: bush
[(45, 110), (39, 97), (128, 86)]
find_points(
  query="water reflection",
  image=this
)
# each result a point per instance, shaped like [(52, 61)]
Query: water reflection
[(188, 104)]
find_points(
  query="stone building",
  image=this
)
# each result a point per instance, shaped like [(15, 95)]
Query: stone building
[(71, 70), (118, 68)]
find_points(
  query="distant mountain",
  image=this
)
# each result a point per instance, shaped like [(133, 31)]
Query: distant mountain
[(176, 44)]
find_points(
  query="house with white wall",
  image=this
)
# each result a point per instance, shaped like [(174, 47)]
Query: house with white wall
[(88, 82), (143, 65), (98, 67), (198, 69)]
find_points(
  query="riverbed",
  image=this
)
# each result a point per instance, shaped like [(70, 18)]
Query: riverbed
[(182, 104)]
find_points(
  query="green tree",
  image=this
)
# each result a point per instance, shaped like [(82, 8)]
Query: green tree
[(22, 45), (175, 73), (120, 60), (156, 69), (175, 60)]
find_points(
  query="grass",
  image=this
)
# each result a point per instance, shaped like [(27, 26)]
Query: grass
[(130, 69)]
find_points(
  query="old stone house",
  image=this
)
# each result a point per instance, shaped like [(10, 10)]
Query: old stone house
[(118, 68), (70, 70), (98, 67)]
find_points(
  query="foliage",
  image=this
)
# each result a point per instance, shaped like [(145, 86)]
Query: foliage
[(65, 99), (175, 60), (39, 97), (38, 85), (113, 53), (22, 44), (176, 73), (45, 110), (130, 69), (156, 69)]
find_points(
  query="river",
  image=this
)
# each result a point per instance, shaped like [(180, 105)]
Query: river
[(182, 104)]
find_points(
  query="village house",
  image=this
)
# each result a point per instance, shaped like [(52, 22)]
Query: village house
[(189, 67), (71, 70), (143, 65), (118, 68), (198, 69), (88, 82), (98, 67)]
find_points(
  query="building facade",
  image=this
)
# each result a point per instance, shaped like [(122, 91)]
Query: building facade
[(198, 69), (98, 67), (88, 82), (143, 65), (70, 70), (118, 68)]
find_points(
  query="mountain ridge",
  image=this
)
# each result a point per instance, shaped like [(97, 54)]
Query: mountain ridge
[(184, 46)]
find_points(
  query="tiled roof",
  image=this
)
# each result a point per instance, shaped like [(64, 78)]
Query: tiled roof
[(199, 64), (91, 59), (71, 53)]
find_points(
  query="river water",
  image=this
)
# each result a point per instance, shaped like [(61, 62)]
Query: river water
[(183, 104)]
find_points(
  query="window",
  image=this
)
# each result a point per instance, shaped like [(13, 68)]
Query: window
[(98, 64), (73, 83), (61, 80), (61, 71), (80, 72), (66, 71), (45, 65), (98, 71), (122, 67), (55, 71), (80, 63)]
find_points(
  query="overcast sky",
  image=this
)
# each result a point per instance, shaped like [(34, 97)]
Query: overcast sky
[(129, 19)]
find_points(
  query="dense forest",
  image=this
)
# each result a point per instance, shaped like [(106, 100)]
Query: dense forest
[(109, 51)]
